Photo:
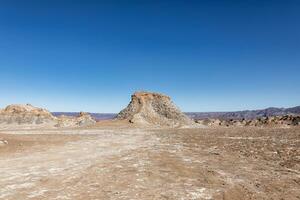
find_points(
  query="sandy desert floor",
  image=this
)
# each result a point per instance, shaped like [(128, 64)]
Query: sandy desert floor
[(134, 163)]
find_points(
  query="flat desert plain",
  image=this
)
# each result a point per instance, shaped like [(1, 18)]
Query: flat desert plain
[(124, 162)]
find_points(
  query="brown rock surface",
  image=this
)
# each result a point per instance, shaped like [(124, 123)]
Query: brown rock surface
[(153, 109)]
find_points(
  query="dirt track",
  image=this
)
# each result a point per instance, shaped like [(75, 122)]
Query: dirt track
[(225, 163)]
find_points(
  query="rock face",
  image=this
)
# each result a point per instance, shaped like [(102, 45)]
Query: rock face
[(25, 114), (147, 108)]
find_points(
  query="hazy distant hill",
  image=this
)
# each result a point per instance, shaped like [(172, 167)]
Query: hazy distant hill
[(247, 114), (97, 116)]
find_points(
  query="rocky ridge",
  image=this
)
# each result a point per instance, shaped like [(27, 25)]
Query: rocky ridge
[(147, 108)]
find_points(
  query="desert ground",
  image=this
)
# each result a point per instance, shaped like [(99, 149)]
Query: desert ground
[(128, 162)]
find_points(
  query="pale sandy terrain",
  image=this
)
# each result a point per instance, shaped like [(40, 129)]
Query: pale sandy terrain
[(134, 163)]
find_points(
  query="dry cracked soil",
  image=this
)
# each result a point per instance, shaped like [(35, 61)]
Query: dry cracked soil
[(134, 163)]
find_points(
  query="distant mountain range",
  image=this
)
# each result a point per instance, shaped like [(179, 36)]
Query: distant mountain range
[(246, 114)]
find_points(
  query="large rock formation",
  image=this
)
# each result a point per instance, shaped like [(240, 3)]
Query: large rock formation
[(25, 114), (147, 108), (30, 116)]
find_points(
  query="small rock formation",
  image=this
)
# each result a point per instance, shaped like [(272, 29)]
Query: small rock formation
[(83, 119), (147, 108), (25, 114)]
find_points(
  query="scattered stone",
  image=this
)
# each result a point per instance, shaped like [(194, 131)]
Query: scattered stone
[(281, 121), (3, 142)]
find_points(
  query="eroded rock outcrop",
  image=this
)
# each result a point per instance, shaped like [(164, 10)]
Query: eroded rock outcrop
[(30, 117), (25, 114), (83, 119), (147, 108)]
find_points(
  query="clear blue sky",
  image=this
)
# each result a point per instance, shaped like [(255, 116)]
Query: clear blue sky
[(207, 55)]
